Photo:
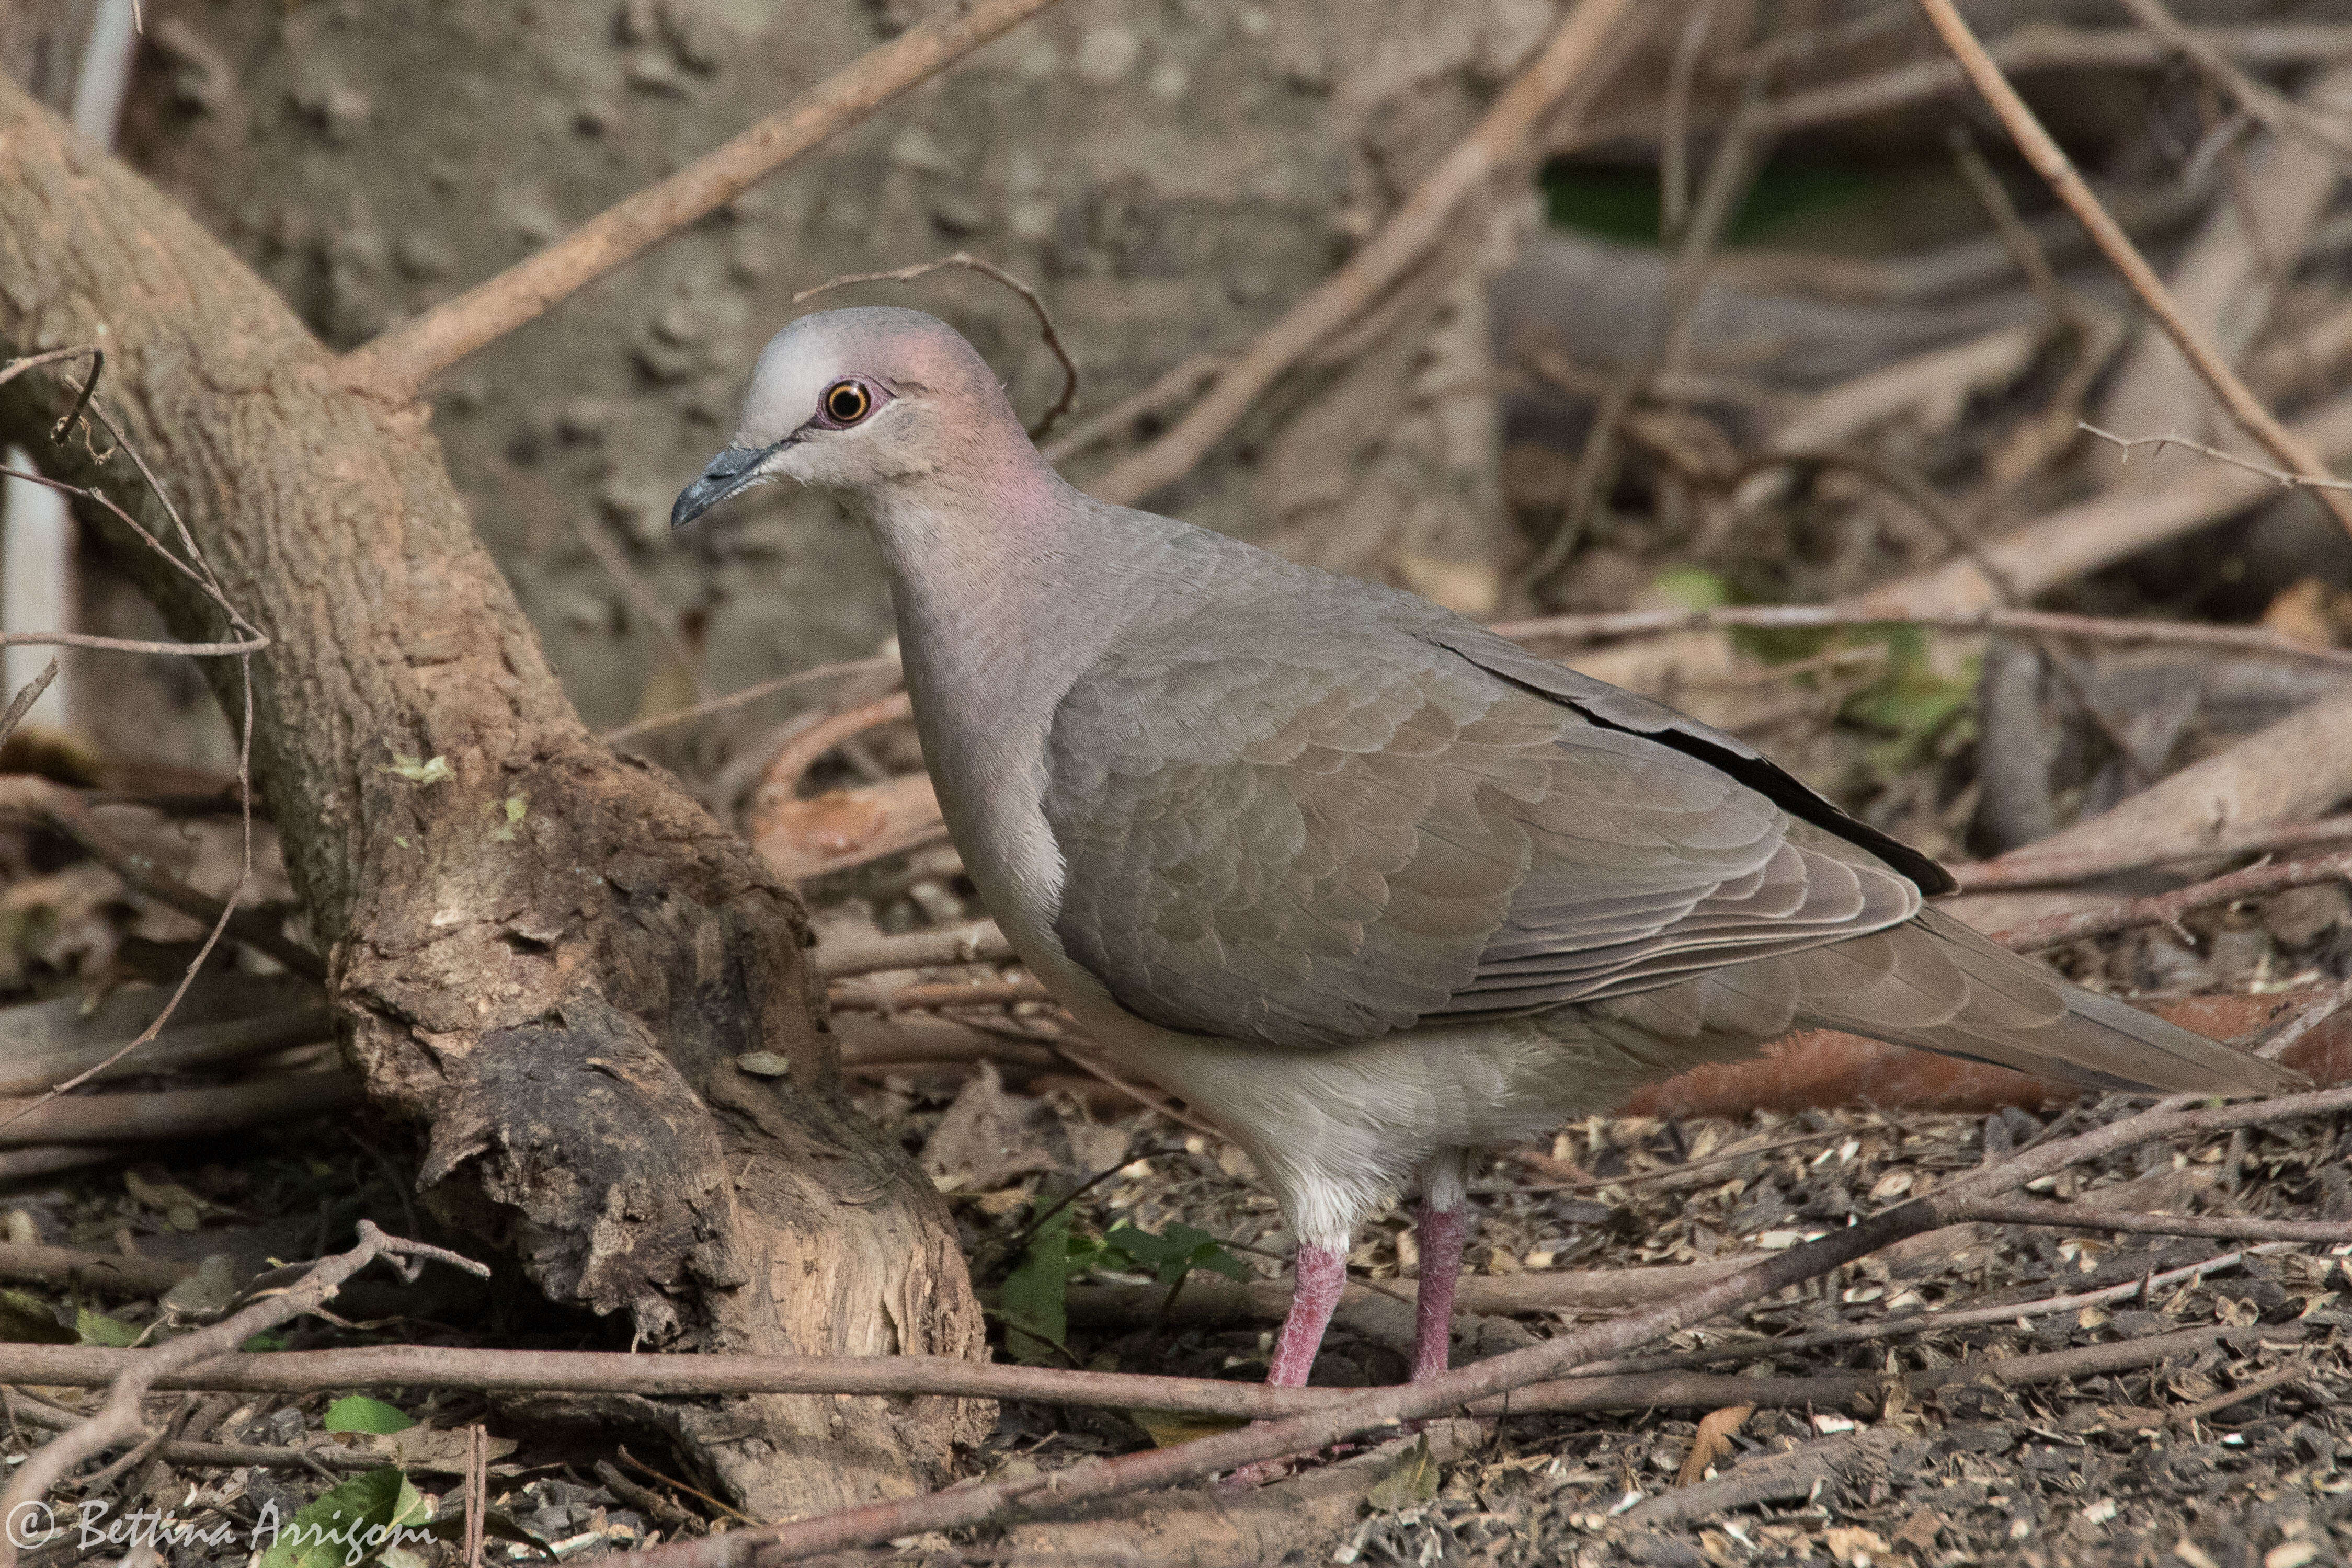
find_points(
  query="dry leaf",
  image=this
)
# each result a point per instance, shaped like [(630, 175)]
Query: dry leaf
[(1716, 1431), (989, 1136), (844, 827), (1856, 1545), (1166, 1428)]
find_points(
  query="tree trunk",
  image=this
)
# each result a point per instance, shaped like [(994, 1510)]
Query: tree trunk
[(548, 959)]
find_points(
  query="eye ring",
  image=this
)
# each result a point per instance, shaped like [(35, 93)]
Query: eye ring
[(845, 403)]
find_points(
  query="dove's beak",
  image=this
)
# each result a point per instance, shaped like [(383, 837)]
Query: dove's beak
[(736, 468)]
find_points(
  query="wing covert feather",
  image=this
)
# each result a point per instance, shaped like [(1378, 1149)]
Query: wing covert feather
[(1330, 838)]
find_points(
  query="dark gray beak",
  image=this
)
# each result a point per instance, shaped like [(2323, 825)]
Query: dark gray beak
[(729, 472)]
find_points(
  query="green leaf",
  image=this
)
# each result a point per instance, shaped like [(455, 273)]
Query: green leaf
[(1411, 1483), (348, 1526), (28, 1320), (1175, 1253), (1690, 588), (97, 1328), (1034, 1301), (358, 1412), (267, 1339)]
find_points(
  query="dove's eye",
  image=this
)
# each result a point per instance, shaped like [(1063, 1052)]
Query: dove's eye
[(845, 403)]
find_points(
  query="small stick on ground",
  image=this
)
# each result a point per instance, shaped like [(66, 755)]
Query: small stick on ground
[(2025, 869), (2280, 476), (2278, 113), (2050, 161), (2165, 909), (2255, 641), (1514, 1370), (400, 361), (122, 1416), (24, 701), (751, 694), (1499, 144), (988, 269)]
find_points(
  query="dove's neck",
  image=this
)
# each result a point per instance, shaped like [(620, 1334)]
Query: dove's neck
[(1007, 589)]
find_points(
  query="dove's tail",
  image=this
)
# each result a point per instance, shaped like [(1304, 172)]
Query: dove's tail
[(1935, 984)]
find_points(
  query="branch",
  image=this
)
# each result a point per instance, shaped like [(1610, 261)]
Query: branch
[(988, 269), (1384, 1407), (122, 1416), (1500, 142), (2280, 114), (1902, 1327), (2249, 640), (2025, 869), (2044, 46), (2050, 161), (2167, 908), (65, 810), (2279, 476), (976, 942), (398, 364)]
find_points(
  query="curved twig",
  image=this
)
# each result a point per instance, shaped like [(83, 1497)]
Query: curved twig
[(121, 1416), (989, 269)]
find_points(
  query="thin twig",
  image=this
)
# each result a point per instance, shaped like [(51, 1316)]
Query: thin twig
[(2214, 1227), (2249, 640), (2280, 476), (2278, 113), (2167, 908), (749, 694), (2022, 868), (643, 599), (25, 700), (121, 1416), (1673, 122), (2051, 161), (1933, 1321), (2046, 47), (2304, 1022), (1172, 387), (1501, 143), (2191, 1413), (1383, 1408), (975, 942), (989, 269), (71, 815), (401, 360)]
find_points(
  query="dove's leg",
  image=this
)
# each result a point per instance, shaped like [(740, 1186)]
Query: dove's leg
[(1441, 1225), (1322, 1272)]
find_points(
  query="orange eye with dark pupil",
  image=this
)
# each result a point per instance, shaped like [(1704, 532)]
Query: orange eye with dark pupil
[(847, 402)]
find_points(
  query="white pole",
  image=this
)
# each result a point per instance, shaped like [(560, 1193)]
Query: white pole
[(36, 532)]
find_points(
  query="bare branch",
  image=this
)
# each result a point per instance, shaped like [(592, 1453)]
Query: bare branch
[(2280, 114), (123, 1417), (2279, 476), (1383, 1408), (2025, 869), (2167, 908), (989, 269), (2250, 639), (401, 360), (2051, 161), (1501, 141)]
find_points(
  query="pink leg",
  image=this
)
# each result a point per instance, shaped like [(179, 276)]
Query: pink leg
[(1322, 1271), (1441, 1232)]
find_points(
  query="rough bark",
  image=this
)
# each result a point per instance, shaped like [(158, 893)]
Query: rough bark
[(549, 960)]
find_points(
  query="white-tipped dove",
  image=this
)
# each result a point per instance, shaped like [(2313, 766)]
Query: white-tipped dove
[(1365, 883)]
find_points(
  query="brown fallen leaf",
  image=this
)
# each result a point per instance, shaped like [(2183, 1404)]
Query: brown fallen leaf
[(844, 827), (1716, 1430)]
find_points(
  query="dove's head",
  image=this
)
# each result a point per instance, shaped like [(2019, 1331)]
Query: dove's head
[(860, 402)]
